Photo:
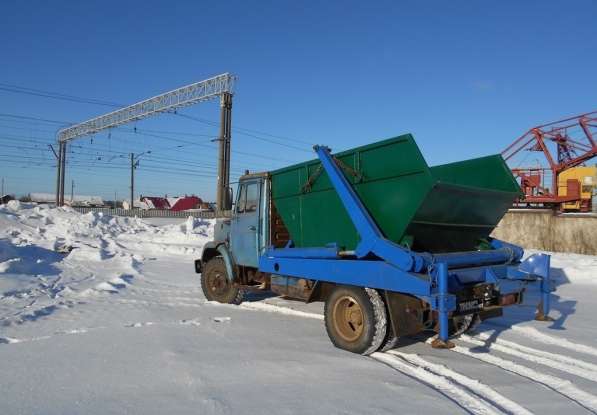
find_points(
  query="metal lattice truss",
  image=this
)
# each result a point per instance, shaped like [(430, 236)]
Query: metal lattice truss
[(564, 144), (181, 97)]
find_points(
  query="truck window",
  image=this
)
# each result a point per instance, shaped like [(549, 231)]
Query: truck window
[(252, 195)]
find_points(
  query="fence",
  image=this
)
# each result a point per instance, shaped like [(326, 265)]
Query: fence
[(148, 213)]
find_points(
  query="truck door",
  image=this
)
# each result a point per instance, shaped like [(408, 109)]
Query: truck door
[(245, 224)]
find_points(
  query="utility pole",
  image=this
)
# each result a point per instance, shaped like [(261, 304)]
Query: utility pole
[(2, 194), (115, 198), (60, 163), (72, 192), (134, 165), (63, 173), (224, 153), (132, 179)]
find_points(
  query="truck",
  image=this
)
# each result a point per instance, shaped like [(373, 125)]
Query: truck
[(392, 246)]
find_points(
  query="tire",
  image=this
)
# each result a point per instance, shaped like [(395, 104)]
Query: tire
[(356, 319), (215, 283), (391, 340), (463, 324)]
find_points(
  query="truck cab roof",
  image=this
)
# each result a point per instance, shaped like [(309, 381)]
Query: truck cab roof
[(253, 175)]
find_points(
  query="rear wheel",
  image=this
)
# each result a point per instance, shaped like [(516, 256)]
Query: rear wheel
[(463, 324), (356, 319), (391, 340), (216, 285)]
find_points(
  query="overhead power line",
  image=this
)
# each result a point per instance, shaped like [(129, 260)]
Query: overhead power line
[(25, 117), (243, 131), (55, 95)]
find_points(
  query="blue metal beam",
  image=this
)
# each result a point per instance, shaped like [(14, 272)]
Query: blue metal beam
[(373, 274)]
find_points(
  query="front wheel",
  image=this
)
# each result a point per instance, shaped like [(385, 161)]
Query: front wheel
[(356, 319), (216, 285)]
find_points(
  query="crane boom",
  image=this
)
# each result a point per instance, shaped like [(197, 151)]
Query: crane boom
[(565, 144)]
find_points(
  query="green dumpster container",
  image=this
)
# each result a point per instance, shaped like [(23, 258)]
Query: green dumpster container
[(446, 208)]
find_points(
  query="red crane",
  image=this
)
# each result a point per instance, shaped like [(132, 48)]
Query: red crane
[(565, 144)]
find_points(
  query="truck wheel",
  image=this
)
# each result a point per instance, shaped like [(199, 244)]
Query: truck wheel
[(355, 319), (391, 340), (463, 324), (215, 283)]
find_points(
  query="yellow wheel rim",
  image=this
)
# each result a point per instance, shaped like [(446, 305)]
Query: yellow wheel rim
[(348, 318)]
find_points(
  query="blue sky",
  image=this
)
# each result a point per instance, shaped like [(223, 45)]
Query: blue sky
[(465, 77)]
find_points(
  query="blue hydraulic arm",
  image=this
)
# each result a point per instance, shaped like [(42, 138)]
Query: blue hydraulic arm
[(372, 240)]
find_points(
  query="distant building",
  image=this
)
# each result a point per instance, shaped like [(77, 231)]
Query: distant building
[(169, 203), (78, 200), (154, 202), (185, 203)]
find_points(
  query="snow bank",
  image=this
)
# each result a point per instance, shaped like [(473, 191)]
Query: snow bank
[(57, 256), (63, 228)]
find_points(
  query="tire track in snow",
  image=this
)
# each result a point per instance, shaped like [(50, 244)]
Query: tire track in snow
[(557, 361), (562, 386), (489, 394), (134, 302), (272, 308), (441, 378), (436, 376), (442, 384), (85, 330), (534, 334)]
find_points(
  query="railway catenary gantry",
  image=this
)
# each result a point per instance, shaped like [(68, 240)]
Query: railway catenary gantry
[(218, 86)]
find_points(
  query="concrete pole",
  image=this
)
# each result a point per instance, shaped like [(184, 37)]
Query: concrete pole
[(228, 136), (224, 152), (58, 173), (132, 179), (61, 174)]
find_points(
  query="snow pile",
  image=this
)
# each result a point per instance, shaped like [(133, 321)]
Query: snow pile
[(578, 269), (57, 256), (64, 228)]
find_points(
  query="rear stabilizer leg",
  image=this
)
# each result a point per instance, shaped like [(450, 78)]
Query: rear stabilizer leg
[(537, 267), (545, 305), (443, 308)]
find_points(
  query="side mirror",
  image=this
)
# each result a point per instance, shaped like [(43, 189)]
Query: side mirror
[(229, 199)]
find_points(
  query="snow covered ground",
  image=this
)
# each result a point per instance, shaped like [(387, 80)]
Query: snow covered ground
[(102, 315)]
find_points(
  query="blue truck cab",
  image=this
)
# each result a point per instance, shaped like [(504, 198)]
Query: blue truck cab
[(239, 237), (375, 294)]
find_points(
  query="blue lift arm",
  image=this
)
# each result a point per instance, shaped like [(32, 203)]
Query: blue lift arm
[(372, 240)]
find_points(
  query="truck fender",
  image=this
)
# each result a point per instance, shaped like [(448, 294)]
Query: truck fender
[(209, 251), (213, 249), (228, 261)]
